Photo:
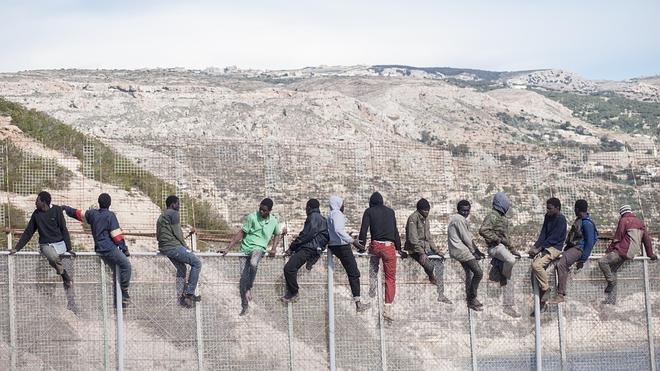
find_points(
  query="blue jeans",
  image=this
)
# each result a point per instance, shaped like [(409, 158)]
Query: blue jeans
[(116, 258), (180, 257)]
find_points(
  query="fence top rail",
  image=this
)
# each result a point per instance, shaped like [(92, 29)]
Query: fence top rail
[(242, 255)]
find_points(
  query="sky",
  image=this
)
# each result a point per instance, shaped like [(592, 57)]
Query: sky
[(611, 40)]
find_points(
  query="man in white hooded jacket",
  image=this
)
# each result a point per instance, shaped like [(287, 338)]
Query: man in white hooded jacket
[(340, 246)]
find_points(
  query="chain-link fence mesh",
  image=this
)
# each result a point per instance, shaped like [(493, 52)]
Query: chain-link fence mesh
[(75, 329)]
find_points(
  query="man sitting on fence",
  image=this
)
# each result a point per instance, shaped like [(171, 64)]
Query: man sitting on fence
[(380, 220), (340, 246), (462, 248), (630, 236), (54, 239), (548, 247), (308, 246), (172, 244), (108, 240), (495, 230), (419, 245), (579, 243), (259, 228)]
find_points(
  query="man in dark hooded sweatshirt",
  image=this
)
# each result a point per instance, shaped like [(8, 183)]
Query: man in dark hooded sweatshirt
[(385, 240), (306, 247), (495, 230)]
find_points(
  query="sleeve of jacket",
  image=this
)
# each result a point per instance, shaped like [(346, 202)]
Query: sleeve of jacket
[(648, 245), (306, 234), (464, 234), (557, 236), (542, 235), (397, 236), (366, 221), (63, 228), (412, 238), (73, 213), (339, 224), (488, 233), (589, 233), (116, 232), (27, 233), (431, 243), (618, 234)]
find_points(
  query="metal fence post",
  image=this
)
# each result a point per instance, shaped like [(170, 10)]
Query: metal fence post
[(537, 327), (561, 323), (473, 339), (12, 313), (104, 304), (383, 352), (331, 312), (649, 316), (200, 337), (289, 310), (120, 324)]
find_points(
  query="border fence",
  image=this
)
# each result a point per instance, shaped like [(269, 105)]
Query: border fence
[(44, 326)]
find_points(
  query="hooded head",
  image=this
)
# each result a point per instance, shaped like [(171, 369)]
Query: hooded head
[(501, 202), (335, 203), (376, 199)]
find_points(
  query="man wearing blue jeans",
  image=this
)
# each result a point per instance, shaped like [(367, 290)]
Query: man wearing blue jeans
[(108, 240), (172, 244)]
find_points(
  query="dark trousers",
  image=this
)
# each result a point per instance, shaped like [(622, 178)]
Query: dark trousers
[(116, 259), (249, 274), (473, 276), (568, 258), (297, 260), (345, 255), (426, 263)]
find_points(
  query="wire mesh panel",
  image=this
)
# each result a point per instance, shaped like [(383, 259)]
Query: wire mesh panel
[(427, 334), (256, 341), (357, 335), (310, 318), (504, 342), (57, 328), (160, 334), (654, 290), (5, 345), (605, 336)]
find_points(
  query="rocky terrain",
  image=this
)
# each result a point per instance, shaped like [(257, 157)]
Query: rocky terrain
[(230, 136)]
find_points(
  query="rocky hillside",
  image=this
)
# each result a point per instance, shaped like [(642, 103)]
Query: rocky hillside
[(229, 136)]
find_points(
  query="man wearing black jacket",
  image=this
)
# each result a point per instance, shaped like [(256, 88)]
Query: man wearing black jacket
[(306, 247), (385, 239), (54, 238)]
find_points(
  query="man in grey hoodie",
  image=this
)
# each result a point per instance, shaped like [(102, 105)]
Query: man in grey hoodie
[(172, 244), (340, 245)]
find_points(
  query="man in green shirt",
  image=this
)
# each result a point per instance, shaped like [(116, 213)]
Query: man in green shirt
[(258, 229)]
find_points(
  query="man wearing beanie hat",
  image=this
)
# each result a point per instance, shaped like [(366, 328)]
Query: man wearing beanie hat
[(630, 236), (308, 246), (259, 228), (579, 243), (419, 245)]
